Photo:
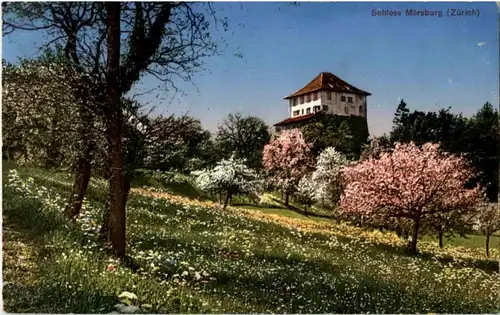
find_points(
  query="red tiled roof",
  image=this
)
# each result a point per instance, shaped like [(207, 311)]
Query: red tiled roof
[(296, 119), (327, 81)]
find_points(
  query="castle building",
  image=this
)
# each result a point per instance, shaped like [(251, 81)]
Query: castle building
[(326, 93)]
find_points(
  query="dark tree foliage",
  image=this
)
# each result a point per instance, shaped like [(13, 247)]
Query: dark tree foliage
[(177, 143), (400, 121), (243, 136), (482, 148), (348, 134), (375, 147), (476, 137)]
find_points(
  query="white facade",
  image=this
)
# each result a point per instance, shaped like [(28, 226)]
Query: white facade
[(337, 103)]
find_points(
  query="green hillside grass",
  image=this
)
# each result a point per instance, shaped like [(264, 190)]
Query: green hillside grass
[(193, 257)]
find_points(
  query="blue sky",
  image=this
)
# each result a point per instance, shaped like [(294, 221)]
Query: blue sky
[(430, 62)]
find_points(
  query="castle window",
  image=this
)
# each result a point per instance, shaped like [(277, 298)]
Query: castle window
[(349, 100), (301, 99), (295, 101), (361, 110), (296, 112), (308, 98), (308, 110), (342, 98), (325, 108), (329, 95), (317, 108), (315, 96), (302, 111)]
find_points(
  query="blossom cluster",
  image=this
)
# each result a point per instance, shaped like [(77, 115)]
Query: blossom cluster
[(328, 174), (228, 176), (406, 180), (288, 158)]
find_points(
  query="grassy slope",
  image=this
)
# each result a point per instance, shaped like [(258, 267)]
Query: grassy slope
[(197, 258)]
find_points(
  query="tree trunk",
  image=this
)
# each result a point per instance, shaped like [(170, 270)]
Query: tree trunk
[(228, 196), (54, 147), (82, 178), (440, 235), (405, 233), (83, 162), (381, 229), (287, 199), (104, 231), (414, 236), (114, 126), (487, 245)]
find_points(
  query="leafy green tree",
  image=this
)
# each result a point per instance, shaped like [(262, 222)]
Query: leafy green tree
[(175, 143), (482, 145), (348, 134), (399, 131), (243, 136), (324, 134)]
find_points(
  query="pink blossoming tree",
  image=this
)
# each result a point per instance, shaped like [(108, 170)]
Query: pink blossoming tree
[(287, 158), (409, 183)]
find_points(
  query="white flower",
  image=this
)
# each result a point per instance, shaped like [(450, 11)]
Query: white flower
[(306, 191), (328, 175), (128, 295), (197, 275), (229, 176)]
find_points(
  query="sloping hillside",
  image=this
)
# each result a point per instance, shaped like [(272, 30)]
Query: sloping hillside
[(190, 256)]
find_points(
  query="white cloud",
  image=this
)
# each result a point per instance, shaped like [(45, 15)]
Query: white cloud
[(480, 44)]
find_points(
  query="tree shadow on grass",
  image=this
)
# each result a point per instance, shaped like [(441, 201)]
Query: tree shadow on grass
[(299, 211), (259, 289), (266, 290), (27, 215), (55, 297)]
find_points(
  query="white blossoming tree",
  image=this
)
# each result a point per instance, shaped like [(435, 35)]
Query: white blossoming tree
[(488, 221), (230, 177), (306, 192), (328, 175)]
